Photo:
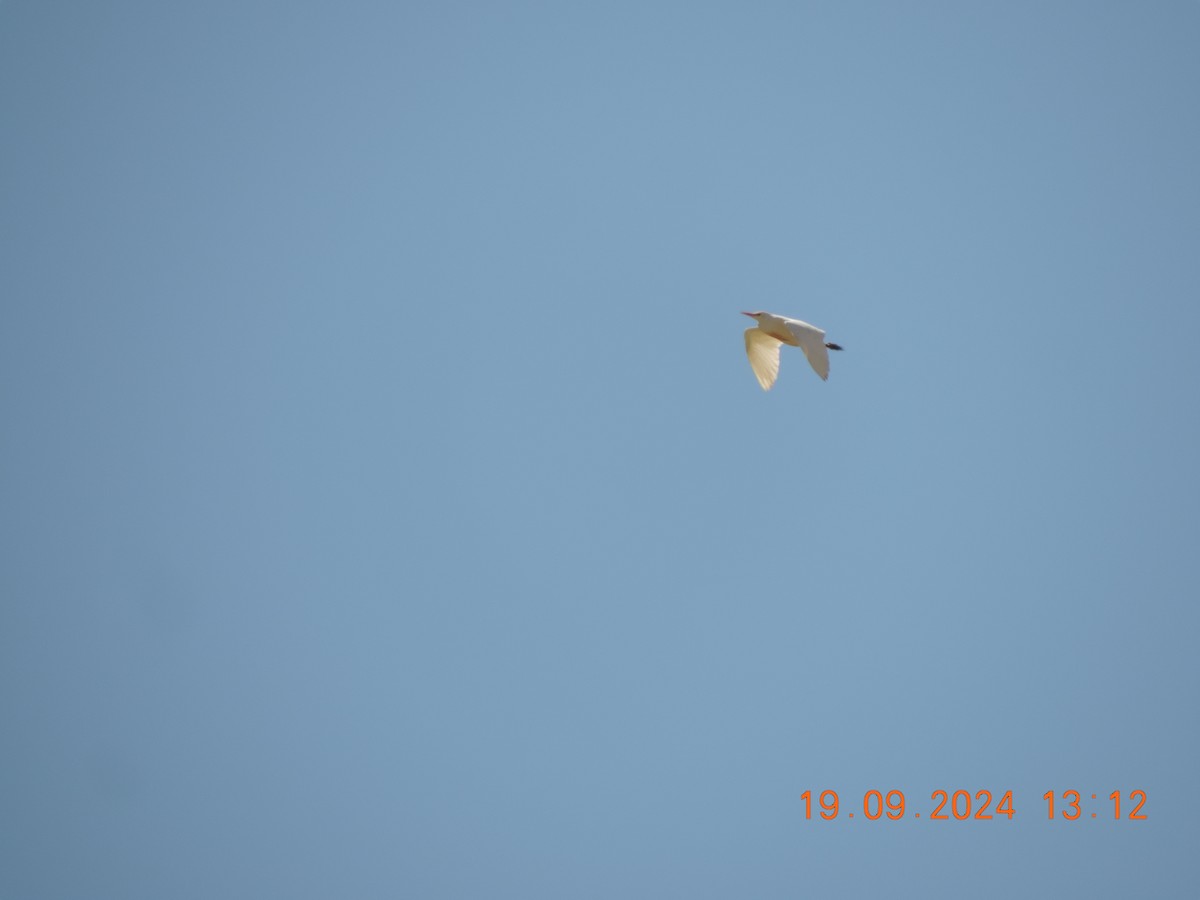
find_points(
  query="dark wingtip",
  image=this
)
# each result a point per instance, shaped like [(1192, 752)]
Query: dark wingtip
[(834, 347)]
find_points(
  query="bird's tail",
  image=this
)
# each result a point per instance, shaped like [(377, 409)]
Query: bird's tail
[(834, 347)]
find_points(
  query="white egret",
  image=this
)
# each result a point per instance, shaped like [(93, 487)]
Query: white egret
[(762, 345)]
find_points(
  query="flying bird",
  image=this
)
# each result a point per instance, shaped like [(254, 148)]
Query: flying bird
[(762, 345)]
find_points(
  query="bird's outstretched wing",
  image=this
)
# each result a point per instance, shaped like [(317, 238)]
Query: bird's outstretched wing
[(763, 351), (812, 341)]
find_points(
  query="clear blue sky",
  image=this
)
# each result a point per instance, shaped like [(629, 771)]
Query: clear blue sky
[(387, 508)]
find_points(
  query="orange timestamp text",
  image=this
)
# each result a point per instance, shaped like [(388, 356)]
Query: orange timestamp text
[(961, 805)]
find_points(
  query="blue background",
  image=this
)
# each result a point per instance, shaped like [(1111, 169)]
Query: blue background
[(387, 507)]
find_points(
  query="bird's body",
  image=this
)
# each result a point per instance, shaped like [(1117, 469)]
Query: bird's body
[(762, 345)]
